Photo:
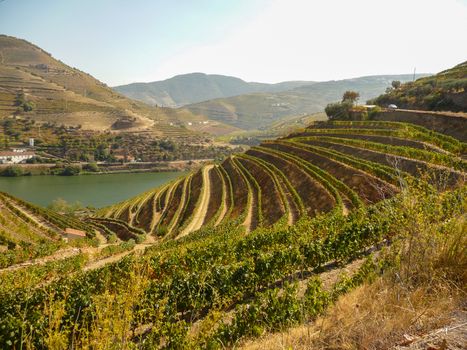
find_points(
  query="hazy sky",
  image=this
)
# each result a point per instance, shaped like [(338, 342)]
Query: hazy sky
[(121, 41)]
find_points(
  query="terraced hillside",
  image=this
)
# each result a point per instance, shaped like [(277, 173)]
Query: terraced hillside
[(329, 166), (28, 231), (36, 85), (445, 91), (227, 282)]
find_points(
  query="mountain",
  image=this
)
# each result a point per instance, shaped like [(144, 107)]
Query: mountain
[(258, 110), (196, 87), (35, 85), (446, 90)]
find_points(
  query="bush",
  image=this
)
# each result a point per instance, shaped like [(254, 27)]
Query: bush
[(70, 170), (339, 110), (12, 171), (91, 167), (112, 238)]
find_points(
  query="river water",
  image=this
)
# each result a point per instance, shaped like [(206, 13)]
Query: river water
[(90, 190)]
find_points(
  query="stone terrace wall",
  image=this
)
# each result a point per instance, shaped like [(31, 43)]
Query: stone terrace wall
[(452, 124)]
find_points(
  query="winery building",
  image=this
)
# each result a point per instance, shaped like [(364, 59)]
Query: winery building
[(15, 156)]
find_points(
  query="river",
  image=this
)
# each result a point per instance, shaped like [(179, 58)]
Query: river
[(90, 190)]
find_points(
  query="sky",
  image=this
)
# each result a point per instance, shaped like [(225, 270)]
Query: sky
[(121, 42)]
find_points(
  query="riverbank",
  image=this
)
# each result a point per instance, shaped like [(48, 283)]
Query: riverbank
[(84, 168)]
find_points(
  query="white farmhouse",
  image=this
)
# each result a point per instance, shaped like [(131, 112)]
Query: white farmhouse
[(15, 156)]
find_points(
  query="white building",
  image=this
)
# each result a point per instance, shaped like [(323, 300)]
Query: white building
[(15, 156)]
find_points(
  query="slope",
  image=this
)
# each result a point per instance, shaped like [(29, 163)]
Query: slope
[(196, 87), (259, 110), (34, 84), (446, 91), (333, 166)]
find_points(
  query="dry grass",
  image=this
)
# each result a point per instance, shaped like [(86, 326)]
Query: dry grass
[(420, 293)]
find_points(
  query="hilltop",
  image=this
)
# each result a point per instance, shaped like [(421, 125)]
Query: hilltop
[(445, 91), (36, 85), (196, 87), (259, 110)]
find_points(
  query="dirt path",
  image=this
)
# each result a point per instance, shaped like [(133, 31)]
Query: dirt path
[(202, 208), (41, 223), (181, 205), (156, 215), (450, 337), (140, 247), (58, 255), (224, 204), (249, 217)]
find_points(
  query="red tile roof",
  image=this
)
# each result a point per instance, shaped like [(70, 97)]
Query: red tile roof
[(15, 154), (73, 231)]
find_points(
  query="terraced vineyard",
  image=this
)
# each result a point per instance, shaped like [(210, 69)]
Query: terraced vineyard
[(348, 188), (28, 231), (329, 166)]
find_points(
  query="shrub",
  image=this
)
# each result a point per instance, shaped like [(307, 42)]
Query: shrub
[(92, 167), (339, 110), (12, 171), (70, 170)]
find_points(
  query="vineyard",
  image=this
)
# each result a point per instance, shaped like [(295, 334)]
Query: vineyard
[(261, 242), (329, 166), (30, 232)]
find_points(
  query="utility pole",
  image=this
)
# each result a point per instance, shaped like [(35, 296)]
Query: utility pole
[(414, 70)]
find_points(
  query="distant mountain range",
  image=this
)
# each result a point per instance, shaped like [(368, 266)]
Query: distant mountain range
[(259, 110), (35, 85), (196, 87)]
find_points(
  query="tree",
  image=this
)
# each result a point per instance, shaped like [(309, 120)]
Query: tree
[(350, 96), (396, 84), (70, 170), (339, 110), (12, 171), (92, 167)]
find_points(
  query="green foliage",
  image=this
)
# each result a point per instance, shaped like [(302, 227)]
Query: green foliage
[(443, 91), (62, 206), (220, 266), (91, 167), (350, 96), (12, 171), (339, 110), (22, 102), (70, 170)]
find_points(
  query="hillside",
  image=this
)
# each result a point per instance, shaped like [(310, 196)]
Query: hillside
[(35, 85), (196, 87), (445, 91), (330, 166), (298, 228), (259, 110), (28, 231)]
